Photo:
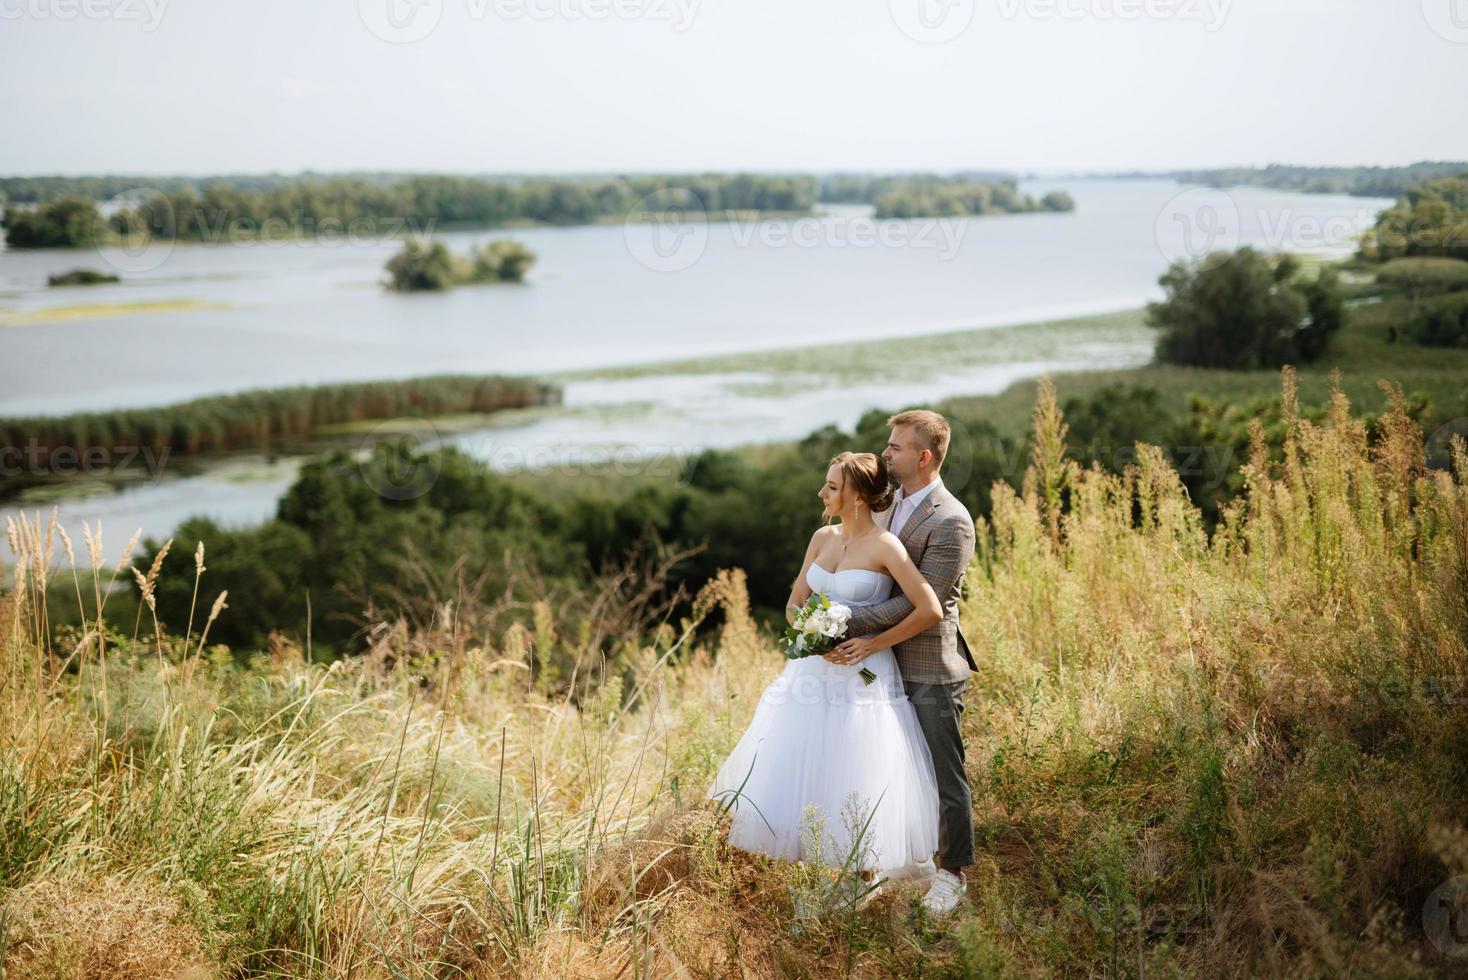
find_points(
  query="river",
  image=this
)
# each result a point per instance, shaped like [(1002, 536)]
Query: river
[(663, 336)]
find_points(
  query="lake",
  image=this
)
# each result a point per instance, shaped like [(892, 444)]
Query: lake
[(662, 335)]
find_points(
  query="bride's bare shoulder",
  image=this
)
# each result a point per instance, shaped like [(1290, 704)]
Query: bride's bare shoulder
[(892, 549), (823, 534)]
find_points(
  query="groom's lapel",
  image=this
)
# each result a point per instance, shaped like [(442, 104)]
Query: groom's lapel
[(922, 513)]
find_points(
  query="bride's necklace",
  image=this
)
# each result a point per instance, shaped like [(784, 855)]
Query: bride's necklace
[(846, 539)]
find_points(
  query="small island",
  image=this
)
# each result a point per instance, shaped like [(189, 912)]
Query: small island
[(81, 277), (427, 266)]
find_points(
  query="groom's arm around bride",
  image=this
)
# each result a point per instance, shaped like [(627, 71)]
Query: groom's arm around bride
[(938, 533)]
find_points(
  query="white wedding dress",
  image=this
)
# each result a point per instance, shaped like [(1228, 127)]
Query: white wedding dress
[(822, 738)]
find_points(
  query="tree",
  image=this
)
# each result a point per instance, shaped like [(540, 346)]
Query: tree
[(503, 260), (1058, 201), (1419, 277), (1442, 322), (1430, 220), (1244, 310), (70, 222), (420, 266)]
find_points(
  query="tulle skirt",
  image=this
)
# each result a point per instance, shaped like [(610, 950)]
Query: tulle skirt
[(832, 769)]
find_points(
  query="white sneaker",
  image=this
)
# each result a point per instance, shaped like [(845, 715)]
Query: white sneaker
[(946, 893), (920, 874), (855, 893)]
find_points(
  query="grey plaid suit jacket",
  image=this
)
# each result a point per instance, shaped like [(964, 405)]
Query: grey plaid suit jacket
[(939, 536)]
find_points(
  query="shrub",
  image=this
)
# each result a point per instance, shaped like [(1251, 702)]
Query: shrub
[(429, 266), (1441, 322), (420, 266), (80, 277), (1244, 310), (69, 222), (1424, 276), (503, 260)]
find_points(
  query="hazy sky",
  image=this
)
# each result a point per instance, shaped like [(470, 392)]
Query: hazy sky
[(198, 86)]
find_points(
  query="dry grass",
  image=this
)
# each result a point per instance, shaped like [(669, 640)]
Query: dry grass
[(1231, 755), (124, 930)]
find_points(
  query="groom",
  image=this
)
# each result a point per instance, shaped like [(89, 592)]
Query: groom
[(935, 664)]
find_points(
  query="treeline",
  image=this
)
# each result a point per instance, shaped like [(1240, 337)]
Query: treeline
[(839, 188), (62, 212), (1357, 181), (866, 188), (938, 197), (102, 187), (1426, 221), (259, 419), (221, 212)]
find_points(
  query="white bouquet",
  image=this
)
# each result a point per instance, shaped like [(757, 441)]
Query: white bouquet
[(819, 625)]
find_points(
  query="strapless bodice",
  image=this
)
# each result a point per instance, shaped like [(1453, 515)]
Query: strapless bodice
[(852, 586)]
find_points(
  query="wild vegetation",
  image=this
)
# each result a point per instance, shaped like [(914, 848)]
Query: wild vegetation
[(355, 206), (1194, 753), (264, 418), (80, 277), (1430, 219), (1245, 309), (1359, 181), (428, 265), (62, 212), (945, 198)]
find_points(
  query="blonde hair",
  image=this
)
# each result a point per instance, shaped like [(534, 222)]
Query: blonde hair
[(866, 473), (932, 429)]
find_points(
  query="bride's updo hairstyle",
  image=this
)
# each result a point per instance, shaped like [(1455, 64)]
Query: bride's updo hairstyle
[(866, 473)]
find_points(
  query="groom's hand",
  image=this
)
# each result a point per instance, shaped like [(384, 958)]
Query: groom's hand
[(852, 651)]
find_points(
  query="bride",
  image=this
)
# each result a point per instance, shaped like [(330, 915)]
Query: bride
[(834, 769)]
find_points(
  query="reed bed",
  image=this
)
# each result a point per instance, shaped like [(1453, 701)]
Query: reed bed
[(1243, 753), (259, 419)]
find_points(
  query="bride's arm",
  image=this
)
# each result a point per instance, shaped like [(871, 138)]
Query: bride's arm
[(926, 609), (799, 589)]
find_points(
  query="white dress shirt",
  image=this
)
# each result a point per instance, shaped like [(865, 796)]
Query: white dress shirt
[(903, 506)]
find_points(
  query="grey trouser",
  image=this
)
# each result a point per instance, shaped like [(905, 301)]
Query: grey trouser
[(939, 708)]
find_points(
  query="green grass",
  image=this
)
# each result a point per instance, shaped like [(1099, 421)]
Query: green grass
[(903, 358), (1362, 353), (93, 311)]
